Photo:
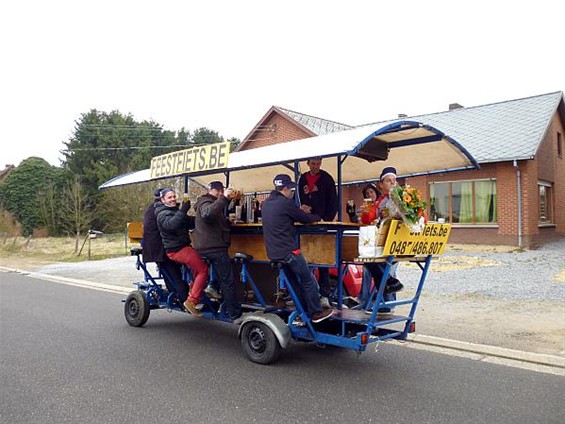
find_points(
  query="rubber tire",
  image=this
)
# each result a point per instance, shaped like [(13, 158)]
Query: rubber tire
[(136, 309), (259, 343)]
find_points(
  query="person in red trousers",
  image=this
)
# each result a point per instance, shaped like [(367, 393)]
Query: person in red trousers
[(174, 223)]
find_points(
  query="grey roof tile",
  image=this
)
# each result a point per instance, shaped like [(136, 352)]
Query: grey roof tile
[(318, 126), (499, 131)]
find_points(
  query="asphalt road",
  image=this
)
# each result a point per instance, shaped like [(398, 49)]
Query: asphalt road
[(67, 355)]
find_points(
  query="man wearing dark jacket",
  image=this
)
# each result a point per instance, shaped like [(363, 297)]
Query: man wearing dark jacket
[(279, 214), (316, 189), (174, 224), (153, 251), (212, 240)]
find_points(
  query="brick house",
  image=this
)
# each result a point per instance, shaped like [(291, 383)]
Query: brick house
[(516, 198)]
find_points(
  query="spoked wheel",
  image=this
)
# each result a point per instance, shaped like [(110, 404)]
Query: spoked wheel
[(259, 343), (136, 309)]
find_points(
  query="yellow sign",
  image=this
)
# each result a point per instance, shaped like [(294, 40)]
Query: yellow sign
[(197, 159), (431, 241)]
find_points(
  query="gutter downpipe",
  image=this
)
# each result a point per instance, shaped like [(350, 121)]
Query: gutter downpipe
[(519, 197)]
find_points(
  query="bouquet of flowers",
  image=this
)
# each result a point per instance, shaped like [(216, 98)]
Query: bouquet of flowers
[(410, 206)]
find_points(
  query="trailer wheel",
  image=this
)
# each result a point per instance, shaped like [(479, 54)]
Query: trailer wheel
[(136, 309), (259, 343)]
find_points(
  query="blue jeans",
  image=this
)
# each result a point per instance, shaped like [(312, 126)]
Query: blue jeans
[(324, 281), (373, 271), (223, 271), (303, 283), (172, 276)]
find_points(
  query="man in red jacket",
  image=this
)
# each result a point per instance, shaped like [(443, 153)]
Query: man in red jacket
[(316, 189)]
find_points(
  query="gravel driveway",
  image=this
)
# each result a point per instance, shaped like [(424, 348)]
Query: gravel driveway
[(518, 275)]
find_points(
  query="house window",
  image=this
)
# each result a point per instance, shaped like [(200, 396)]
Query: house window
[(464, 202), (545, 203), (559, 145)]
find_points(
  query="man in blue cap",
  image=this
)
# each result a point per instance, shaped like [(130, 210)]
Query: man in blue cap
[(279, 214)]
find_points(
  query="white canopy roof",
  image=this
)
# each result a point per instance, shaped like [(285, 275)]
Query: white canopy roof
[(411, 147)]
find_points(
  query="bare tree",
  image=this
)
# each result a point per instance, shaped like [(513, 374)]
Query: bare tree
[(48, 209), (75, 210)]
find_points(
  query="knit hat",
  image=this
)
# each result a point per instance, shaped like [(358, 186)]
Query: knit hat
[(165, 191), (389, 170)]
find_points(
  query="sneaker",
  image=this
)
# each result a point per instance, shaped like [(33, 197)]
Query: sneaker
[(325, 302), (353, 301), (393, 286), (212, 293), (287, 300), (191, 308), (239, 319), (322, 315)]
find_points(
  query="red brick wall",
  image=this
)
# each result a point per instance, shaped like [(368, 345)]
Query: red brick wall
[(505, 232), (559, 181), (546, 166), (551, 168), (275, 129)]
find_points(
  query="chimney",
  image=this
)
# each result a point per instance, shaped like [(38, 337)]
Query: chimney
[(454, 106), (402, 115)]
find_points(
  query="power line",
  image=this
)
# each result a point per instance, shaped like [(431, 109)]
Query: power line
[(77, 149)]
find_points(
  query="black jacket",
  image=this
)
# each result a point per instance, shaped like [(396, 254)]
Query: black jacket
[(212, 232), (173, 225), (279, 214), (324, 200), (153, 250)]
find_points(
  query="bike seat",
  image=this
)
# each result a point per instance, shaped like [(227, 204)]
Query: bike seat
[(240, 257), (136, 251)]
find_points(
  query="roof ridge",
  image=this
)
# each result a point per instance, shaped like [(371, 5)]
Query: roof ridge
[(312, 116), (463, 108)]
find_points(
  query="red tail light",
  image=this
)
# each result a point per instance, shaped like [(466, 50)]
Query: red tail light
[(364, 338), (412, 327)]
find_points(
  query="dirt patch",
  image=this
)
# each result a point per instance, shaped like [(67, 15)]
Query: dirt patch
[(528, 326), (453, 263), (480, 248)]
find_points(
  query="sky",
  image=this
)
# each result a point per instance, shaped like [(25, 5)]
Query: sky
[(222, 64)]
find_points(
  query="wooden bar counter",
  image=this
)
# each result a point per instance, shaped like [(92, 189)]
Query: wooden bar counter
[(318, 242)]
